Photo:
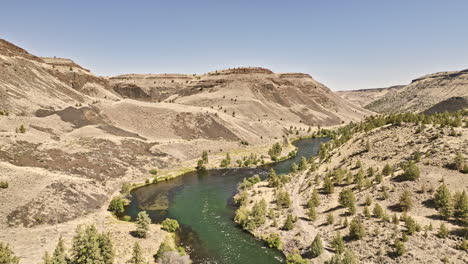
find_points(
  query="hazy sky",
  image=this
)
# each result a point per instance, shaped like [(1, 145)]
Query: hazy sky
[(347, 44)]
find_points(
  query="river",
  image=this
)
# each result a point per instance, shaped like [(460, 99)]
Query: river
[(203, 206)]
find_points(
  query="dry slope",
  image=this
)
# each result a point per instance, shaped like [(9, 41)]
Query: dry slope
[(423, 93), (432, 147)]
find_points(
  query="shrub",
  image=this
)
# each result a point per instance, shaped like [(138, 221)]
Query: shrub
[(459, 161), (378, 178), (274, 241), (3, 184), (137, 255), (289, 223), (153, 171), (275, 151), (328, 186), (312, 213), (405, 201), (303, 163), (399, 246), (170, 225), (7, 256), (296, 259), (257, 216), (387, 170), (443, 231), (294, 167), (378, 211), (226, 162), (205, 157), (330, 219), (316, 248), (411, 225), (356, 229), (282, 199), (346, 197), (163, 248), (347, 258), (117, 205), (314, 199), (410, 171)]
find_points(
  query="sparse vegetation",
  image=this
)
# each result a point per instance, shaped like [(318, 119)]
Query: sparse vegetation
[(170, 225), (7, 256)]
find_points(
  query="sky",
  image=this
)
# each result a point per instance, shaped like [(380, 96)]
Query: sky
[(348, 44)]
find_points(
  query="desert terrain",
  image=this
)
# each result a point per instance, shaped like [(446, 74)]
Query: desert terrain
[(70, 139)]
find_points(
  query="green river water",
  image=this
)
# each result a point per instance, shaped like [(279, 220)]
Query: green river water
[(203, 206)]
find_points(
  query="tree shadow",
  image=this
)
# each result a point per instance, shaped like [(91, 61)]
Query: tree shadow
[(332, 209), (399, 178), (395, 208), (134, 234), (430, 203)]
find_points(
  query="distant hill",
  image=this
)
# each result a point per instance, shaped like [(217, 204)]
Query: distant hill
[(450, 105), (423, 93), (363, 97)]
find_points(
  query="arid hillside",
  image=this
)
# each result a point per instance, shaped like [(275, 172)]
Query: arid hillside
[(253, 93), (363, 97), (423, 93), (389, 190), (69, 139)]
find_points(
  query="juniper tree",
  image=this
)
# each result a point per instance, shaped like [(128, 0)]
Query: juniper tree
[(106, 248), (312, 213), (205, 157), (443, 231), (405, 201), (410, 171), (387, 170), (143, 222), (303, 163), (399, 247), (330, 219), (294, 167), (59, 255), (338, 243), (328, 185), (356, 229), (86, 246), (443, 201), (314, 199), (461, 206), (137, 254), (289, 223), (378, 211), (316, 248)]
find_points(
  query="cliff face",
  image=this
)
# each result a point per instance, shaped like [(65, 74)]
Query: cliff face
[(29, 82), (423, 93)]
